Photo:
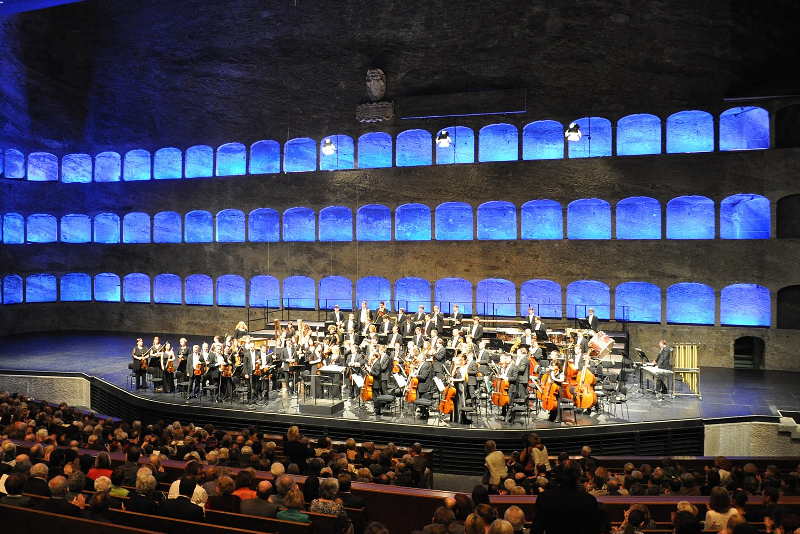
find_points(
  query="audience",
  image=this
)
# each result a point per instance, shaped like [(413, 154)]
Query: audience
[(293, 502)]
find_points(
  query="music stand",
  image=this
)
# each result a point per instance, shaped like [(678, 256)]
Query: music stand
[(584, 324), (642, 355)]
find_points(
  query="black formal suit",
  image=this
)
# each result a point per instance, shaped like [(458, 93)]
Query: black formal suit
[(258, 507), (455, 321), (419, 317), (425, 380), (386, 372), (385, 328), (360, 320), (476, 331), (351, 501), (428, 327), (37, 486), (400, 319), (540, 330), (182, 508), (130, 469), (522, 364), (351, 325), (438, 321), (59, 506), (472, 379), (407, 328), (337, 317), (395, 338), (529, 321), (663, 362), (439, 358), (554, 506), (142, 504), (21, 501), (592, 322), (249, 358), (483, 362), (419, 340)]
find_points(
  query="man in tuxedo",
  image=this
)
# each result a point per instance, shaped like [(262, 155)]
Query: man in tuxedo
[(351, 323), (249, 358), (363, 315), (456, 318), (592, 319), (337, 316), (182, 507), (401, 316), (288, 357), (419, 317), (580, 340), (395, 337), (196, 357), (539, 329), (386, 326), (523, 364), (260, 505), (439, 358), (438, 319), (472, 378), (425, 383), (530, 319), (419, 337), (663, 362), (382, 311), (476, 330), (428, 326), (483, 359), (528, 338), (406, 326), (386, 371)]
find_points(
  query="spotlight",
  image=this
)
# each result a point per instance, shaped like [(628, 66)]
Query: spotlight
[(443, 139), (328, 147), (573, 132)]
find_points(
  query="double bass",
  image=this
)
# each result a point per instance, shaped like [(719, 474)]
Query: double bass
[(585, 396), (548, 392), (369, 380), (447, 404), (500, 391)]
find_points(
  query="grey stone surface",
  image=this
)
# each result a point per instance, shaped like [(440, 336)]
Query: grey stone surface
[(74, 391)]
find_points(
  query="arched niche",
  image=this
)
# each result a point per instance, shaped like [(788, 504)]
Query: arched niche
[(690, 131), (300, 155), (230, 226), (638, 218), (498, 142), (199, 290), (265, 157), (106, 228), (638, 135), (106, 287), (543, 140), (497, 219), (265, 292), (199, 162), (374, 150), (374, 223), (450, 291), (595, 141), (787, 213), (461, 148), (589, 218), (107, 167), (690, 217), (299, 224), (744, 216), (342, 157), (136, 165), (744, 128), (411, 292), (748, 353), (199, 227), (496, 297), (42, 228), (542, 219), (745, 305), (414, 147), (374, 290), (788, 303), (264, 226), (136, 288), (638, 301), (231, 159), (544, 296), (12, 289), (167, 289), (136, 228), (75, 287), (690, 303), (14, 162), (231, 290), (299, 292), (336, 224), (787, 126), (412, 222), (13, 229), (41, 288), (454, 222), (585, 294), (76, 228), (335, 291), (42, 167), (76, 169), (167, 227), (168, 164)]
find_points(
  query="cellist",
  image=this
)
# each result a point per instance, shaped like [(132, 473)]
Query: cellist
[(509, 372), (472, 378)]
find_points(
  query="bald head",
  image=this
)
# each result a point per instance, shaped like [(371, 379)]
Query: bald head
[(58, 486), (264, 489)]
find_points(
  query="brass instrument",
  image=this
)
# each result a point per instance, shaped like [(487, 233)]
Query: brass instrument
[(515, 345)]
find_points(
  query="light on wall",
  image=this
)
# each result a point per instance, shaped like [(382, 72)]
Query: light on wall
[(573, 132), (328, 148), (443, 139)]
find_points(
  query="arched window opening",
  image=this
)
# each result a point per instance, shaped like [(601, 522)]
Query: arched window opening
[(106, 228), (13, 229), (167, 227), (374, 290), (585, 294), (497, 220), (76, 169), (136, 165), (375, 150), (14, 164), (199, 290), (543, 140), (340, 155), (410, 293), (690, 217), (299, 224), (168, 164), (638, 135), (41, 288), (76, 287), (300, 155), (42, 167), (136, 288), (748, 353), (107, 287), (136, 228), (265, 157), (412, 222), (199, 161), (76, 228), (459, 149), (638, 218), (690, 303), (544, 296), (231, 159), (12, 289), (414, 147), (167, 289), (744, 216), (107, 167), (42, 228), (744, 128), (542, 219), (199, 227), (496, 297), (230, 226), (336, 224), (498, 142), (690, 131), (789, 307), (450, 291), (374, 223), (589, 218), (264, 226), (454, 222), (299, 292), (745, 305), (265, 292), (638, 301), (335, 291), (595, 141), (231, 290), (787, 126)]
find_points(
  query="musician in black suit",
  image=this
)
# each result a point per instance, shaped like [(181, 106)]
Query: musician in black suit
[(401, 317), (288, 356), (476, 330), (351, 324), (355, 362), (419, 337), (419, 317), (395, 337), (580, 340), (337, 316), (663, 362), (195, 358), (428, 325), (386, 326), (375, 372), (182, 507), (472, 378), (456, 318), (528, 338), (592, 319), (364, 315), (529, 319), (438, 319), (439, 357), (523, 365), (381, 312), (539, 329), (511, 373), (407, 326), (483, 359), (425, 381), (249, 358)]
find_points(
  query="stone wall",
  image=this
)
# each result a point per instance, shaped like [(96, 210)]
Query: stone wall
[(75, 391)]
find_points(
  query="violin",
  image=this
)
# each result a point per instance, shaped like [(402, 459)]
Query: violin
[(198, 369), (171, 364), (257, 368)]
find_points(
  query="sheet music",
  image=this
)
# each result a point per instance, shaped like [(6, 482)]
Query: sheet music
[(439, 383), (358, 380), (400, 379), (333, 368)]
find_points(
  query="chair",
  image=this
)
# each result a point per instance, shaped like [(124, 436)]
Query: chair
[(385, 402), (565, 403), (240, 394), (211, 390), (620, 398), (425, 404)]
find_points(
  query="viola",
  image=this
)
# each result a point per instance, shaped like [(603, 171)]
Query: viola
[(257, 369), (171, 365), (198, 369)]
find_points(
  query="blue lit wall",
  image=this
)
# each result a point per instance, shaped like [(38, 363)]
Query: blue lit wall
[(199, 227), (13, 229), (299, 224), (690, 217), (543, 295), (374, 223), (199, 161), (299, 292), (136, 288), (690, 131), (690, 303), (543, 140), (12, 289), (265, 291), (136, 166), (336, 224), (300, 155), (230, 226), (42, 167), (167, 289), (168, 164), (136, 228), (42, 228), (335, 290), (744, 305), (76, 287), (412, 223), (414, 148), (41, 288), (167, 227), (106, 287), (14, 164), (76, 168), (638, 135), (589, 218), (497, 220), (542, 219), (496, 296), (264, 226), (199, 290), (374, 290), (411, 292), (744, 128), (449, 291), (230, 290), (595, 140), (461, 148), (639, 300), (231, 159), (106, 228), (343, 156), (498, 142), (265, 157), (107, 167), (374, 150), (744, 217), (454, 221), (585, 294), (638, 218)]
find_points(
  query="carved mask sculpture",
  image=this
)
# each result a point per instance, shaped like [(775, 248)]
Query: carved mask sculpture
[(376, 84)]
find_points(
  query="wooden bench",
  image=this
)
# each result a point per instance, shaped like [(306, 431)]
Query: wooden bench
[(27, 521), (168, 525), (258, 523)]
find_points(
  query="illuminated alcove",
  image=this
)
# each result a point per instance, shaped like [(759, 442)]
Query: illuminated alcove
[(136, 165), (638, 135), (76, 169), (450, 291), (136, 228), (542, 219), (76, 228), (374, 223), (454, 221), (690, 217), (231, 159), (690, 131), (231, 290), (136, 288), (336, 223), (374, 290), (589, 218), (264, 226), (14, 164), (107, 167), (585, 294), (638, 218), (745, 305), (744, 128), (299, 292), (744, 216), (544, 296), (595, 141), (168, 164), (75, 287), (496, 296), (414, 147), (167, 227), (374, 150), (411, 292), (342, 157), (543, 140), (265, 291), (12, 289), (42, 228), (167, 289), (13, 229), (265, 157), (230, 226), (461, 148), (106, 287), (41, 288), (300, 155), (690, 303), (335, 291), (199, 161), (638, 301), (199, 290), (42, 167), (199, 227), (299, 224), (497, 219), (106, 228), (498, 142), (412, 222)]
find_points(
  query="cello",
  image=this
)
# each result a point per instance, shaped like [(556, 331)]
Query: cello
[(447, 404), (585, 396), (366, 390), (548, 393), (500, 390)]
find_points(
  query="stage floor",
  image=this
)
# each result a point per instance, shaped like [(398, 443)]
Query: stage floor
[(726, 393)]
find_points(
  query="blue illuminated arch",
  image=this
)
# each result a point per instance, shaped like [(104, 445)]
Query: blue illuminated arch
[(230, 226), (199, 161), (168, 164), (449, 291), (544, 296), (136, 165), (638, 135), (231, 290), (343, 156), (690, 303), (640, 301), (414, 147), (231, 159), (107, 167), (299, 224), (76, 168), (167, 289), (199, 227), (585, 294), (744, 128), (41, 288), (543, 140), (264, 226), (542, 219), (76, 228), (690, 131), (265, 157), (42, 167), (167, 227), (336, 224), (461, 148), (199, 290), (136, 228), (12, 289), (638, 218), (42, 228), (411, 292), (106, 287), (496, 296), (13, 229), (744, 305), (14, 164), (374, 223), (498, 142), (300, 155), (76, 287), (299, 292), (265, 291), (497, 219), (589, 218), (744, 217), (374, 150), (335, 290), (136, 288), (454, 221), (595, 141), (412, 222), (374, 290), (690, 217), (106, 228)]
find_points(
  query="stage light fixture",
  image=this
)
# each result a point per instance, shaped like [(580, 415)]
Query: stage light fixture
[(328, 148), (573, 132), (443, 139)]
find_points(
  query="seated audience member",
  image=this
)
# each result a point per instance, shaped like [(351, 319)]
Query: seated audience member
[(376, 528), (76, 484), (686, 523), (98, 508), (131, 466), (260, 505), (293, 501), (15, 484), (182, 507), (516, 517), (739, 501), (325, 504), (142, 500), (225, 500), (37, 482), (487, 513), (501, 526), (192, 469), (117, 479), (445, 517), (244, 480), (634, 522), (57, 504), (719, 509), (283, 484), (102, 467), (566, 500), (735, 519), (474, 525), (348, 499)]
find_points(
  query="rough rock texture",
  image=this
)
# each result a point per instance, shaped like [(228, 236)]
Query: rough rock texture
[(74, 391)]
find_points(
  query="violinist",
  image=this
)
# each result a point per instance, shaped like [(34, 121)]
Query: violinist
[(419, 338), (241, 331), (140, 358), (375, 372), (194, 366), (333, 336), (438, 319), (419, 317), (183, 356), (351, 325), (386, 326), (386, 370), (425, 387), (428, 326), (439, 357), (381, 312), (394, 337), (476, 330), (471, 370), (355, 363), (249, 358), (460, 377), (556, 371), (407, 326), (288, 357), (168, 367), (401, 317), (225, 363), (455, 341), (364, 315), (483, 359), (154, 364)]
